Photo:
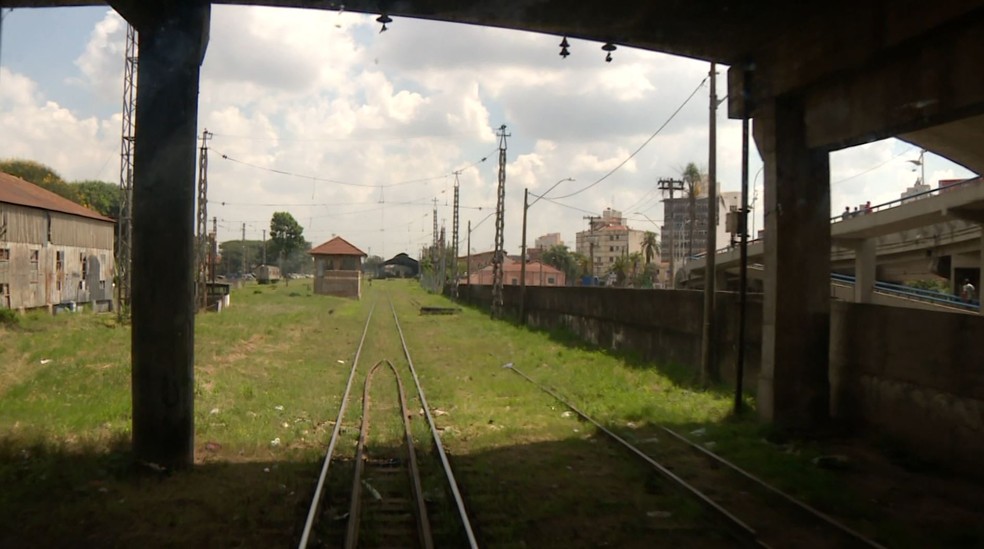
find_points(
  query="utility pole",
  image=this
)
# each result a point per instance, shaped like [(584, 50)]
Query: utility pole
[(671, 185), (244, 250), (522, 267), (743, 263), (124, 223), (203, 221), (442, 249), (497, 258), (264, 246), (708, 369), (212, 249), (435, 221), (468, 260), (454, 241)]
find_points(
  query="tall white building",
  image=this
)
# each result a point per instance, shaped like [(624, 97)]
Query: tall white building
[(548, 241), (607, 238), (677, 222)]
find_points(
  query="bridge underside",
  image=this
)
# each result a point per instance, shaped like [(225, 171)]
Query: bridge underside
[(814, 76)]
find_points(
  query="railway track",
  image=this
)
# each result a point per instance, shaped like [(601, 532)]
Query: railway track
[(387, 502), (758, 515)]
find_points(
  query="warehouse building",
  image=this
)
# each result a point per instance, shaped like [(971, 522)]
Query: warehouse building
[(52, 251)]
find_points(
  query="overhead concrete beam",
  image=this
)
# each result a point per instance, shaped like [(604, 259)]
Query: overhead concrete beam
[(829, 44), (935, 81)]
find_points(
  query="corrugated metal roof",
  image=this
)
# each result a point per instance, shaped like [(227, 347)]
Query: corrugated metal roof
[(337, 246), (14, 190)]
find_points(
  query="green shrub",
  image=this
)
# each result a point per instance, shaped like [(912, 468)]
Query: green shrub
[(8, 317)]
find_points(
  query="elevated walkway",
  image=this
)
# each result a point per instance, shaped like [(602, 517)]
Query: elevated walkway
[(937, 233)]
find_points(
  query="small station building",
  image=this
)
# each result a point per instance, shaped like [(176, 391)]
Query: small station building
[(338, 268)]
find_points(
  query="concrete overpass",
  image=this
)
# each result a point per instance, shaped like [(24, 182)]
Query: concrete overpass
[(814, 77), (907, 239)]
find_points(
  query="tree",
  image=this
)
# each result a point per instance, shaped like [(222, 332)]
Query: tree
[(40, 175), (693, 181), (286, 234), (230, 260), (561, 258), (100, 196), (374, 264), (620, 268), (650, 246)]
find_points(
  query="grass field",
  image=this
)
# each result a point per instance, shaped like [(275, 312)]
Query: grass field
[(269, 375)]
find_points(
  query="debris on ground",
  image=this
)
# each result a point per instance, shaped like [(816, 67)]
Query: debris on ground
[(213, 411), (440, 310), (699, 432), (835, 462), (278, 408), (375, 493), (659, 514), (567, 414), (275, 442)]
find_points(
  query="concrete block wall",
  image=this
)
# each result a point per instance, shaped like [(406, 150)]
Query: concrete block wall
[(660, 325), (915, 375)]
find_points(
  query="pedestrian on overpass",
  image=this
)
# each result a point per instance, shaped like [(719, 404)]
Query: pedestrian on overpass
[(967, 293)]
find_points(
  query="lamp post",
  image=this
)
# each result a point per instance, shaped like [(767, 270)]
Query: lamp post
[(522, 266)]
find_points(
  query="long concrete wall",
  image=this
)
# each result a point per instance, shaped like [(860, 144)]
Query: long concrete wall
[(915, 375), (659, 325)]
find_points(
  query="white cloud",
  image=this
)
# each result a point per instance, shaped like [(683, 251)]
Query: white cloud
[(323, 94)]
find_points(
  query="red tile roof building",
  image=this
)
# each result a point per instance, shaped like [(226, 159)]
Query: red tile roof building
[(338, 268)]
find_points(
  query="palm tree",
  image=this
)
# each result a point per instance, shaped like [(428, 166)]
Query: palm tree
[(693, 181), (620, 268), (650, 246)]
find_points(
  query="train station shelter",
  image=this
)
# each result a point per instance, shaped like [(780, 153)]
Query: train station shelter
[(813, 77)]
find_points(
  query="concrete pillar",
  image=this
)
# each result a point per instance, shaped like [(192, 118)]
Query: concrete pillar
[(794, 389), (864, 270), (172, 44), (980, 276)]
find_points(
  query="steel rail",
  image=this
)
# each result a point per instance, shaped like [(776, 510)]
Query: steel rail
[(777, 492), (743, 532), (355, 506), (319, 490), (452, 483)]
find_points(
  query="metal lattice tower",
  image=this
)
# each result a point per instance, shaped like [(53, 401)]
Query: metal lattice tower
[(201, 233), (454, 241), (435, 222), (500, 208), (124, 223)]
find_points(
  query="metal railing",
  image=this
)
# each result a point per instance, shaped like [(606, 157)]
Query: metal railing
[(918, 294)]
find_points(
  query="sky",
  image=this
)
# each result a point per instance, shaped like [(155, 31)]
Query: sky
[(372, 126)]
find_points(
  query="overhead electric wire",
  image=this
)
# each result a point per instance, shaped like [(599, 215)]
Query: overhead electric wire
[(873, 168), (349, 183), (644, 144)]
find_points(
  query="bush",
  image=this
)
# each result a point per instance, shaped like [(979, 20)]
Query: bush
[(8, 317)]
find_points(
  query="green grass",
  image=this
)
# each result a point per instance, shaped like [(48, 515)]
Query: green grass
[(272, 367)]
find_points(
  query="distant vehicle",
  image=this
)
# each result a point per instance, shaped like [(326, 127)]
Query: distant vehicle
[(267, 274)]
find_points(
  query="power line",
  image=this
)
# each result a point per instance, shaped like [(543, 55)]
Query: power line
[(348, 183), (873, 168), (644, 144)]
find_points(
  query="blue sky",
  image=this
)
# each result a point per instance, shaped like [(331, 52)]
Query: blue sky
[(323, 94)]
